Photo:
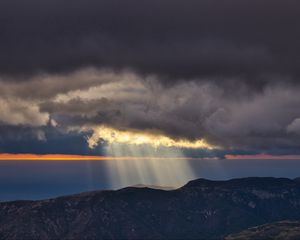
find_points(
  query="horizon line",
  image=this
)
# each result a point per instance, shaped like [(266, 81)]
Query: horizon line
[(76, 157)]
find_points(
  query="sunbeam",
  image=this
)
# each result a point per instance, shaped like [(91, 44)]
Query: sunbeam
[(173, 169)]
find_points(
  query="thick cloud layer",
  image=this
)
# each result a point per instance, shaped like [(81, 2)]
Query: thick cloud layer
[(252, 40), (224, 71), (192, 110), (267, 119)]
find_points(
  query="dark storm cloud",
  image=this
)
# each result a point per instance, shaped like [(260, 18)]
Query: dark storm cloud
[(43, 140), (249, 39), (265, 120), (189, 69), (78, 112)]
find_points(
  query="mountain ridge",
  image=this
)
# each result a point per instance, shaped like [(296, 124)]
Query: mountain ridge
[(201, 209)]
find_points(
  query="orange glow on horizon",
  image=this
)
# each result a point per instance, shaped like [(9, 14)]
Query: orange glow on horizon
[(66, 157), (28, 156), (69, 157), (262, 157)]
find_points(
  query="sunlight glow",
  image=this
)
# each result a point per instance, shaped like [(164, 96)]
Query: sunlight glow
[(134, 137), (148, 145)]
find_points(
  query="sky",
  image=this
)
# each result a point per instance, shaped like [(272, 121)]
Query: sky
[(202, 79)]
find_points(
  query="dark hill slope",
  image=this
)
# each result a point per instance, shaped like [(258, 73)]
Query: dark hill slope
[(285, 230), (201, 209)]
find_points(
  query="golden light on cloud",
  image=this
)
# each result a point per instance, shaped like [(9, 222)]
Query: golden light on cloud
[(134, 137)]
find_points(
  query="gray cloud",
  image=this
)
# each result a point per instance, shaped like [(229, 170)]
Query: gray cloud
[(44, 86), (226, 71), (188, 109), (249, 41), (17, 112), (294, 127)]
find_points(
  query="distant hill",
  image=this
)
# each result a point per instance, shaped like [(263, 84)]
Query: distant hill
[(167, 188), (285, 230), (201, 209)]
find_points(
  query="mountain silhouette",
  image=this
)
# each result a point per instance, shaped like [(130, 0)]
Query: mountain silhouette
[(202, 209)]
